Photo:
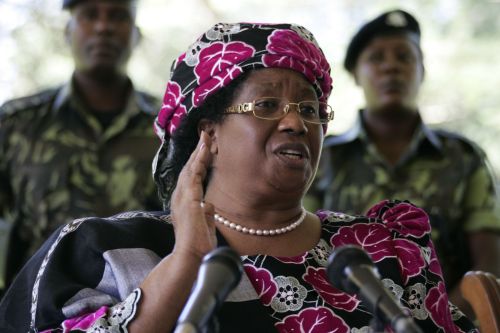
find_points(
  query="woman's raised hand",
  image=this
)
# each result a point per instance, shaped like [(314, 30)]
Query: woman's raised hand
[(192, 218)]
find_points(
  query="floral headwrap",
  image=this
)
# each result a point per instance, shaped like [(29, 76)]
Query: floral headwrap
[(219, 56)]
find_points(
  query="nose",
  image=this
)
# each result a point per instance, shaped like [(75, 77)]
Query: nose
[(292, 121), (103, 23), (391, 63)]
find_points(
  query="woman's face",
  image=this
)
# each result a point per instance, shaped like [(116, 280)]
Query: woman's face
[(390, 72), (278, 156)]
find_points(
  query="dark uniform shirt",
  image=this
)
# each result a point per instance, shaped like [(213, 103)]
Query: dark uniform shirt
[(441, 172), (58, 162)]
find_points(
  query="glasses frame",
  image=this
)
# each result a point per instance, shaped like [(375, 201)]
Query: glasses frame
[(250, 107)]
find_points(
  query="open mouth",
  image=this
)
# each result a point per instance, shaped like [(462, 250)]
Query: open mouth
[(292, 154)]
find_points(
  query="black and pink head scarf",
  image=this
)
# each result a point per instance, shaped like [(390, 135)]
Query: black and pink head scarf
[(224, 52)]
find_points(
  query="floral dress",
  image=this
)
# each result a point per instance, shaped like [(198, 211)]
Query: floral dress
[(86, 277)]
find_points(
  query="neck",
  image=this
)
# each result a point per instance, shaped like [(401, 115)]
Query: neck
[(101, 94), (391, 132), (256, 214), (394, 125)]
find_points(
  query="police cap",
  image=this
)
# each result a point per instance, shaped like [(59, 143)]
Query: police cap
[(395, 21)]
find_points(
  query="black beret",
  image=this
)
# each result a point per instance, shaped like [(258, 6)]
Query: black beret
[(395, 21), (67, 4)]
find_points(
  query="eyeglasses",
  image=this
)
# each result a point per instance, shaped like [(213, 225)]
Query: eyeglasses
[(272, 108)]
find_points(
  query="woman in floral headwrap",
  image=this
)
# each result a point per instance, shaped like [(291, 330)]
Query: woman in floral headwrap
[(241, 129)]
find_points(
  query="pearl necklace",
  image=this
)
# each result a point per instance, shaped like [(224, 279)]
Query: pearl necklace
[(261, 232)]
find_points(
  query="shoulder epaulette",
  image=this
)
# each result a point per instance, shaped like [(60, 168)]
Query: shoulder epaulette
[(28, 102), (468, 143), (149, 103), (334, 140)]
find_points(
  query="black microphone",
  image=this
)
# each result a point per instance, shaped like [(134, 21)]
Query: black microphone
[(350, 269), (219, 273)]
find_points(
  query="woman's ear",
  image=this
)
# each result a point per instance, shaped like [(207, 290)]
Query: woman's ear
[(209, 127)]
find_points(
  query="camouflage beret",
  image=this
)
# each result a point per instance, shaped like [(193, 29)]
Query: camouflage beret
[(395, 21)]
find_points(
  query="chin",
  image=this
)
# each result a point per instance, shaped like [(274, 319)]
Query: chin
[(105, 72), (292, 184), (394, 108)]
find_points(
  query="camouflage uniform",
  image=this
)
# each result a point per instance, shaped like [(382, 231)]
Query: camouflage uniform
[(441, 172), (57, 163)]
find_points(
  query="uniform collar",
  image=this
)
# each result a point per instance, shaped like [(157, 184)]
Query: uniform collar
[(358, 132), (135, 105), (136, 101)]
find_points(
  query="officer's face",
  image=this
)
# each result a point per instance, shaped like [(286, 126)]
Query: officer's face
[(101, 34), (390, 72)]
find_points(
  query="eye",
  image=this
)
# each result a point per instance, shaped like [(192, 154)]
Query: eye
[(406, 56), (267, 104), (309, 109), (87, 14), (120, 15), (376, 57)]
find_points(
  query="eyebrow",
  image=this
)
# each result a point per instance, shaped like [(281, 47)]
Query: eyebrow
[(265, 87)]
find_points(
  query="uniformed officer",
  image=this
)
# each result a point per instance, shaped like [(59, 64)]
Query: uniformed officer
[(81, 149), (391, 154)]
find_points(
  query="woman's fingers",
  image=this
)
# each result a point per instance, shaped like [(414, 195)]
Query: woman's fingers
[(194, 222), (195, 170)]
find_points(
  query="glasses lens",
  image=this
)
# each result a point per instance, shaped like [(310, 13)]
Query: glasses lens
[(309, 110), (269, 108), (326, 113), (275, 108)]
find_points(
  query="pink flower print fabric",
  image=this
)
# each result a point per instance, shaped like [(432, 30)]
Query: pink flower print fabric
[(316, 277), (218, 66), (299, 297), (263, 282), (437, 302), (288, 49), (313, 320), (84, 322), (172, 110)]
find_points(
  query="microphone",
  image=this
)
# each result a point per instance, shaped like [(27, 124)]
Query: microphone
[(219, 273), (351, 270)]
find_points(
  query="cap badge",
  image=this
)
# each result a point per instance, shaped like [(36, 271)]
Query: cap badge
[(396, 19)]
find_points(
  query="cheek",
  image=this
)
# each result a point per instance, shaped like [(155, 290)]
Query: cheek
[(127, 36), (240, 142), (316, 145)]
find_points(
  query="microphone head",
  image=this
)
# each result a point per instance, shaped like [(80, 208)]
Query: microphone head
[(220, 272), (340, 259), (222, 269)]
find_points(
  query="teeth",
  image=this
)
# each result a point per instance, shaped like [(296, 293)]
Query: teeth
[(292, 153)]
